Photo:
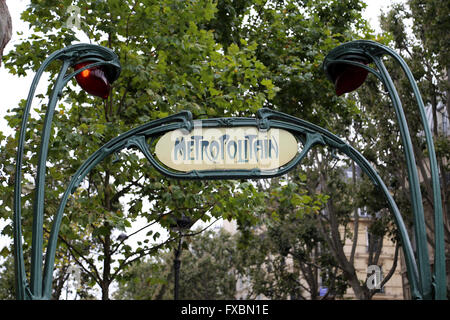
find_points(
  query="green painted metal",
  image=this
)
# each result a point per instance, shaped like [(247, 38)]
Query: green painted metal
[(374, 52), (142, 138), (69, 56), (310, 134)]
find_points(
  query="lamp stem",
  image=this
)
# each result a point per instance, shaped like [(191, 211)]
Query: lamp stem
[(67, 56), (414, 185), (38, 208), (439, 252), (22, 290)]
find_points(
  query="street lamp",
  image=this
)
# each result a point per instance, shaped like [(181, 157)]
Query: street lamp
[(180, 224), (95, 68), (347, 67)]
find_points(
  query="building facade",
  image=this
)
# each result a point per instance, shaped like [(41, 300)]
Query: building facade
[(392, 290)]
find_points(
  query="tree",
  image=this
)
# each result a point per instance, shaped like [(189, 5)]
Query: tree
[(207, 271), (424, 47), (286, 257), (171, 60), (301, 33), (168, 64), (7, 279), (5, 27)]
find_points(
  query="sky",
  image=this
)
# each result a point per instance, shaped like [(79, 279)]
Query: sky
[(14, 88)]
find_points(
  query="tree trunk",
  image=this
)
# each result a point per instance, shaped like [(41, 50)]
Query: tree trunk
[(5, 27), (360, 292), (107, 243), (336, 246), (105, 291)]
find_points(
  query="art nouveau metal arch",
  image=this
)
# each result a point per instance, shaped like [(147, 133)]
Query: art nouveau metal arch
[(309, 134), (107, 68)]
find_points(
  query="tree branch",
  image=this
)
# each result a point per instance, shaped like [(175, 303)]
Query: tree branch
[(72, 249), (140, 254), (137, 231)]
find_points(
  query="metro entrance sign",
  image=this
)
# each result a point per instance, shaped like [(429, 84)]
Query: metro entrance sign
[(226, 148), (268, 145)]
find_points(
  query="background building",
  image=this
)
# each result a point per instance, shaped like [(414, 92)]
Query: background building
[(392, 290)]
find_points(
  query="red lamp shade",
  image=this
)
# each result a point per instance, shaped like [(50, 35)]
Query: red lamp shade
[(93, 80), (349, 77)]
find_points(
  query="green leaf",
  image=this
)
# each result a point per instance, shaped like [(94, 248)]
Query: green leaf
[(5, 252)]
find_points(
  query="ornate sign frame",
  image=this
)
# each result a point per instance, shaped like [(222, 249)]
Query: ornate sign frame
[(308, 134)]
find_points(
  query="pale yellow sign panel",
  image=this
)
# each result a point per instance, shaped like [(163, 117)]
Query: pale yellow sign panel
[(226, 148)]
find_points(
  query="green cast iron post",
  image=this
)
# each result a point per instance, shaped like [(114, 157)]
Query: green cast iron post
[(69, 56), (373, 52)]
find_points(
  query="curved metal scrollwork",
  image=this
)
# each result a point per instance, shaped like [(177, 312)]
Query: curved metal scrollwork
[(309, 134)]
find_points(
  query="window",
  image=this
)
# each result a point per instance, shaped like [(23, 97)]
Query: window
[(373, 242), (362, 212)]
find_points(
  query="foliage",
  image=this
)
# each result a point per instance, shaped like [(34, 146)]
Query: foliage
[(213, 58), (206, 271), (168, 64), (7, 279), (287, 257)]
